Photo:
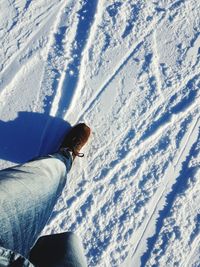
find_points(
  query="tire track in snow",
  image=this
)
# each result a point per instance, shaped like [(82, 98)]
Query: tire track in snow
[(160, 199)]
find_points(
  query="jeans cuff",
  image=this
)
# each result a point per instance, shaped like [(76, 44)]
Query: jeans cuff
[(65, 156)]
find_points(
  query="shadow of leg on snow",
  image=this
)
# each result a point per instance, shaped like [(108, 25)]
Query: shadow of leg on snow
[(30, 135)]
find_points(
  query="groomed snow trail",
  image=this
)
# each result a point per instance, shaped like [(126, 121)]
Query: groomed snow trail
[(131, 70)]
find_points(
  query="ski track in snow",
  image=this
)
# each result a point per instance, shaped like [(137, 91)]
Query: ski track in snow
[(172, 171), (18, 60), (130, 69), (117, 70)]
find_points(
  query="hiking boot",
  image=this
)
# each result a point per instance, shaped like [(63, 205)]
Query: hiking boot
[(76, 139)]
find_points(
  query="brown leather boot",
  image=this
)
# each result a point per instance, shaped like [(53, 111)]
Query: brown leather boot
[(76, 139)]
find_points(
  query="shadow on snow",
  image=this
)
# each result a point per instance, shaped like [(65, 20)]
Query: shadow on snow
[(178, 188), (26, 137)]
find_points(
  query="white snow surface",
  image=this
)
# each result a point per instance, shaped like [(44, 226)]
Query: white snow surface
[(131, 70)]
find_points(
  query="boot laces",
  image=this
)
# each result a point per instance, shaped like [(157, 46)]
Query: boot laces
[(77, 142)]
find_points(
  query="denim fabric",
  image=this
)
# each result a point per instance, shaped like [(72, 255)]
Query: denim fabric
[(9, 258), (28, 194), (58, 250)]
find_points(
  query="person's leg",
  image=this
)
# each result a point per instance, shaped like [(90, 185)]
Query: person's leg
[(28, 194), (58, 250)]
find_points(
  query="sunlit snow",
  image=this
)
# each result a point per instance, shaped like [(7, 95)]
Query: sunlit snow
[(131, 70)]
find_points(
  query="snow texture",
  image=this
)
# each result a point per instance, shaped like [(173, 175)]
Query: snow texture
[(130, 70)]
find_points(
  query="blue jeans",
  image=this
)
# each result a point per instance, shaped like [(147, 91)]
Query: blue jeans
[(28, 194)]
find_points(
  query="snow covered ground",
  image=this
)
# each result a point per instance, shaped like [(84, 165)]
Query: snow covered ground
[(131, 70)]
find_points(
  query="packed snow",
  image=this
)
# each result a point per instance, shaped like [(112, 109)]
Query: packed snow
[(131, 70)]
